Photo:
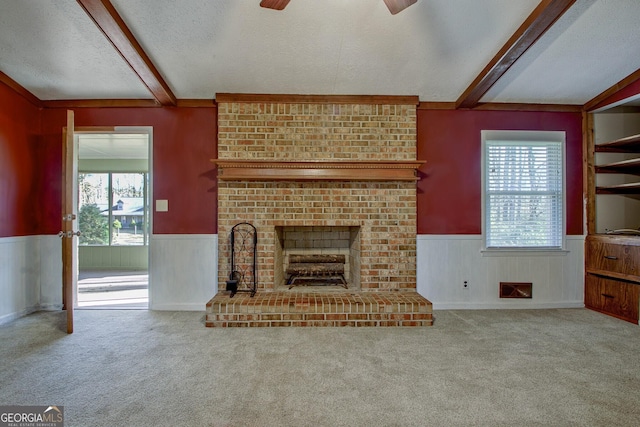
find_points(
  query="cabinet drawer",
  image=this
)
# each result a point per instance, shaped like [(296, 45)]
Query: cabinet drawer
[(619, 299), (623, 259)]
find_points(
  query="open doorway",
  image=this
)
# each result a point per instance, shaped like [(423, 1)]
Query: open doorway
[(114, 220)]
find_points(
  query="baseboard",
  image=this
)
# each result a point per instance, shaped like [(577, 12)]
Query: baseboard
[(8, 318), (50, 307), (509, 305)]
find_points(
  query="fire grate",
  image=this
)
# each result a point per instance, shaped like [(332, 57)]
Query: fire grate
[(318, 266)]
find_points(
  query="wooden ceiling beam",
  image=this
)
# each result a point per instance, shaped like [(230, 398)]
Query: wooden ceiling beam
[(538, 22), (114, 28), (274, 4), (595, 102), (397, 6)]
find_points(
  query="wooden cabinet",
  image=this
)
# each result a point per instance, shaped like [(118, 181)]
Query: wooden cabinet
[(612, 297), (612, 247), (612, 282)]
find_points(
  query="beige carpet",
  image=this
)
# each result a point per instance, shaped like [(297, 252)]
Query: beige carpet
[(568, 367)]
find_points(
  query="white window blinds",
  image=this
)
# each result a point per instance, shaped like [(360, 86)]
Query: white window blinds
[(524, 194)]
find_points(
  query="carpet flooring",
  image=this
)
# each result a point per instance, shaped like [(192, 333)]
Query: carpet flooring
[(564, 367)]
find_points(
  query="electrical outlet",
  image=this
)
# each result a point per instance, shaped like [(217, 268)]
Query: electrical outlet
[(466, 284)]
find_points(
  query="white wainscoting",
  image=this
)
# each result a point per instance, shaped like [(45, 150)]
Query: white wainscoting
[(446, 261), (30, 275), (183, 271), (50, 273)]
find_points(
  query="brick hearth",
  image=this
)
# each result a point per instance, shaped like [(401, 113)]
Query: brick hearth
[(329, 308)]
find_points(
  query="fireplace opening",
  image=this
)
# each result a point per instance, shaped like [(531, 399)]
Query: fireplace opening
[(317, 245), (314, 268)]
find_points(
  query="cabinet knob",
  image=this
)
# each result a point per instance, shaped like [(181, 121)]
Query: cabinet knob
[(611, 257)]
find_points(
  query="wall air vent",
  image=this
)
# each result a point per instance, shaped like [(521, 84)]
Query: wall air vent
[(515, 290)]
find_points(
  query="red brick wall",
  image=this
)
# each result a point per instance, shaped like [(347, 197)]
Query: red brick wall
[(385, 211), (316, 131)]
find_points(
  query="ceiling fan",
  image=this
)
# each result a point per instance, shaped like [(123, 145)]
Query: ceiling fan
[(394, 6)]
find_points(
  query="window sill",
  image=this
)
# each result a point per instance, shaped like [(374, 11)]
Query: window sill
[(523, 252)]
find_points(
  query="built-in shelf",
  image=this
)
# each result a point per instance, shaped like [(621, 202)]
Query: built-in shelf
[(630, 188), (629, 144), (622, 145), (631, 166), (271, 170)]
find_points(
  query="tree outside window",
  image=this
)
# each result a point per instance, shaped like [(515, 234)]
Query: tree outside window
[(113, 208)]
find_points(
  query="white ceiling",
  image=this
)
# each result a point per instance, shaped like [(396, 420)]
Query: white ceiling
[(113, 146), (433, 49)]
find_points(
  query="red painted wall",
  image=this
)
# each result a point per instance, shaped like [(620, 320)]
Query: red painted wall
[(449, 195), (20, 171), (184, 141)]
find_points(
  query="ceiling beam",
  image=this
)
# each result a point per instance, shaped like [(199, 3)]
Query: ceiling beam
[(595, 102), (274, 4), (538, 22), (112, 25), (397, 6)]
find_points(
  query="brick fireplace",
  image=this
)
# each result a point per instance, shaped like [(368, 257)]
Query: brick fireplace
[(321, 174)]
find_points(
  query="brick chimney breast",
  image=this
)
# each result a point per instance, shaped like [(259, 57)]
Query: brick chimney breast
[(377, 217)]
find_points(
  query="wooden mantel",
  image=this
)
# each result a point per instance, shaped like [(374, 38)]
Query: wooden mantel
[(348, 170)]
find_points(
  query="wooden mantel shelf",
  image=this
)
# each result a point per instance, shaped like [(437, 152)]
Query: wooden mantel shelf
[(272, 170)]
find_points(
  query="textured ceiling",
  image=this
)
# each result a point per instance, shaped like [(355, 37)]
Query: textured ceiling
[(54, 50), (113, 146), (433, 49), (323, 47), (593, 46)]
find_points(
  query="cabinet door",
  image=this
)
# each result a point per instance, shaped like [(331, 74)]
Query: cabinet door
[(621, 299), (613, 297)]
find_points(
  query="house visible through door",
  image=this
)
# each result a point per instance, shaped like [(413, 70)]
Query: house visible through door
[(113, 219)]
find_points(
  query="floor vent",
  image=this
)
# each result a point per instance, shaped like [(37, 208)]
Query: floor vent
[(515, 290)]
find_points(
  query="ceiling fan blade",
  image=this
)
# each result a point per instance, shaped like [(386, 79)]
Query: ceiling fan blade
[(274, 4), (396, 6)]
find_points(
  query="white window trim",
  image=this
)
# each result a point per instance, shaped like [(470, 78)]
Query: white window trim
[(511, 135)]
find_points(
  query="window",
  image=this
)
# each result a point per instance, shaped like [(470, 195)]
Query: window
[(113, 209), (523, 189)]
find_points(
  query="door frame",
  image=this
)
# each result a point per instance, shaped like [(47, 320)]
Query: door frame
[(148, 130)]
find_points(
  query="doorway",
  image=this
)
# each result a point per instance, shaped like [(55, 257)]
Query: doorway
[(114, 189)]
